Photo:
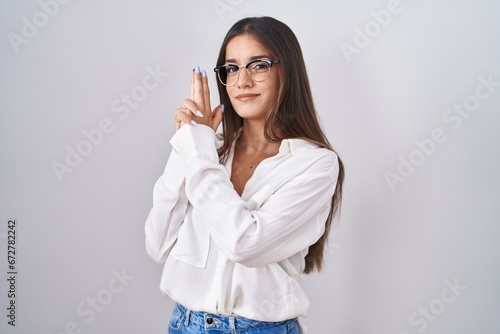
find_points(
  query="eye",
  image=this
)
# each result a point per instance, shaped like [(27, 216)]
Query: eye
[(230, 69), (260, 66)]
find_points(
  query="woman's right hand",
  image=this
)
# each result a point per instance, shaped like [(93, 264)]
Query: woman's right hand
[(197, 108)]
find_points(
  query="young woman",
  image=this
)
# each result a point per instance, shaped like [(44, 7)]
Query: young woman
[(238, 217)]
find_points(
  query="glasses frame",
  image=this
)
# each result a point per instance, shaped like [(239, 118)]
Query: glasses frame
[(269, 62)]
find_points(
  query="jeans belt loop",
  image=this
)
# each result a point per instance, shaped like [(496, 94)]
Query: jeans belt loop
[(232, 326), (188, 313)]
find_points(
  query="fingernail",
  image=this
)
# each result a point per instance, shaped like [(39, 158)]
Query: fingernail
[(204, 73), (194, 122), (197, 69), (199, 113), (222, 107)]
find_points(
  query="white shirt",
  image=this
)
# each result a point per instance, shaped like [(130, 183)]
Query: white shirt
[(231, 255)]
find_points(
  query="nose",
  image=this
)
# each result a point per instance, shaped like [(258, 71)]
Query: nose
[(244, 80)]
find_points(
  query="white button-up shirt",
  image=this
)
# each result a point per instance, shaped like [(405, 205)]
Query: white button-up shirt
[(231, 255)]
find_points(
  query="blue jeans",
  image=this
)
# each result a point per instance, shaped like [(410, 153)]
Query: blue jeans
[(185, 321)]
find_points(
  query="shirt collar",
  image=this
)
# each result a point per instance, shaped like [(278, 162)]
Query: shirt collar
[(295, 146), (292, 145)]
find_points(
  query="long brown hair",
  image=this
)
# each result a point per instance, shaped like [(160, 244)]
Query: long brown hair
[(293, 116)]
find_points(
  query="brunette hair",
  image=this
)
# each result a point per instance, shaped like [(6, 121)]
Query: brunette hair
[(293, 115)]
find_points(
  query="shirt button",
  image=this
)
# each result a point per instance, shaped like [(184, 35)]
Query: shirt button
[(210, 321)]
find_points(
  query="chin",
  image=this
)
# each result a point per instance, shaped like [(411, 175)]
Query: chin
[(248, 112)]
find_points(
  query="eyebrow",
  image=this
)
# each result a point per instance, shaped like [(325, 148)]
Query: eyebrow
[(232, 60)]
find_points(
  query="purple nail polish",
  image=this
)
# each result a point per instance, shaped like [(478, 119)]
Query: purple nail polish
[(198, 69), (199, 113), (194, 123), (203, 73)]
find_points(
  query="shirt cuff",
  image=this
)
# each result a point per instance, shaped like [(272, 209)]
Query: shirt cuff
[(195, 141), (174, 174)]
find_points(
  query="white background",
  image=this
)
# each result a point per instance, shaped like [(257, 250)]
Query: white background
[(395, 247)]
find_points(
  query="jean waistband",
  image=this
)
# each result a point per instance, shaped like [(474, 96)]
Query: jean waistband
[(233, 323)]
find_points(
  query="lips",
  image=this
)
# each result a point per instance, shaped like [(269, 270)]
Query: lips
[(246, 97)]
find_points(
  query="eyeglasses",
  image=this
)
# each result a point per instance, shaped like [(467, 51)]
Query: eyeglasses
[(258, 71)]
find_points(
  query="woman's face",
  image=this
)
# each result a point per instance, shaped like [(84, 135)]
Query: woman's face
[(251, 100)]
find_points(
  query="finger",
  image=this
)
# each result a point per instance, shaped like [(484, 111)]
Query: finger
[(191, 96), (183, 116), (177, 126), (192, 107), (217, 116), (198, 88), (206, 91)]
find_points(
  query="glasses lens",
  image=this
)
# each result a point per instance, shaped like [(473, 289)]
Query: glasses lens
[(259, 71), (228, 74)]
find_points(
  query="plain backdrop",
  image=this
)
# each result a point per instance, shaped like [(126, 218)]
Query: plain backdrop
[(408, 93)]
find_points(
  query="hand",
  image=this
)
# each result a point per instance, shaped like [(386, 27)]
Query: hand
[(197, 109)]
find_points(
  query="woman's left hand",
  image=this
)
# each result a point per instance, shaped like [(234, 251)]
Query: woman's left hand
[(199, 102)]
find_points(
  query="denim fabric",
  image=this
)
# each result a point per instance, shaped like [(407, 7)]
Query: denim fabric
[(184, 321)]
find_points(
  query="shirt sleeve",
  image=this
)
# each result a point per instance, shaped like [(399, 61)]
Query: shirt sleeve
[(169, 209), (290, 219)]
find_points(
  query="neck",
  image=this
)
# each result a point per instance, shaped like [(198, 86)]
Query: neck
[(252, 137)]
